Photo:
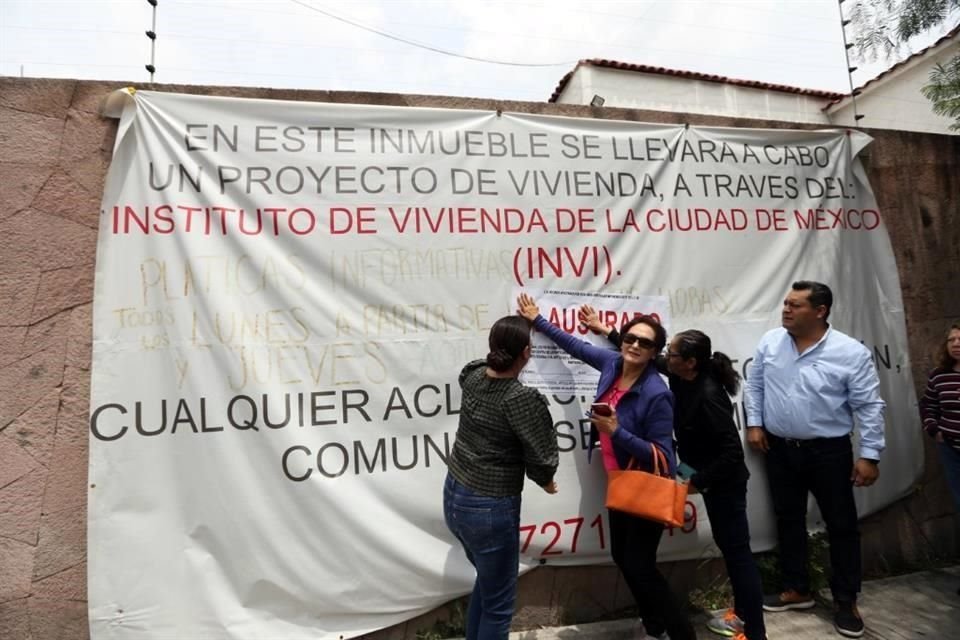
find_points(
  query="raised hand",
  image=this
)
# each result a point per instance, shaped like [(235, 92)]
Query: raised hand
[(527, 308), (588, 317)]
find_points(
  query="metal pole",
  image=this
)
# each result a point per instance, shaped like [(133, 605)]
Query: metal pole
[(153, 42), (152, 34), (850, 69)]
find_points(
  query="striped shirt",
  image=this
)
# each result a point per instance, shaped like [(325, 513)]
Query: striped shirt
[(940, 406), (505, 431)]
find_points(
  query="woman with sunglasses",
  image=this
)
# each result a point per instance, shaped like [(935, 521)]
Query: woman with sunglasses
[(639, 427), (702, 382)]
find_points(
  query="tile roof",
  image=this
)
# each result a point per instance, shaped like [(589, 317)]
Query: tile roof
[(692, 75), (950, 34)]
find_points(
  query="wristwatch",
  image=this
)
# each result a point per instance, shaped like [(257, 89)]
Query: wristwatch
[(875, 462)]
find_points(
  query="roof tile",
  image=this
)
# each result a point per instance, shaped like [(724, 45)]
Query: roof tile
[(693, 75)]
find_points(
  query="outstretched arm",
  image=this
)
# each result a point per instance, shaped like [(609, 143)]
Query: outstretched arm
[(589, 317), (579, 349)]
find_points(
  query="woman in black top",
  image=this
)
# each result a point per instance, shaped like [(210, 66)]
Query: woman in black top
[(505, 432), (702, 382)]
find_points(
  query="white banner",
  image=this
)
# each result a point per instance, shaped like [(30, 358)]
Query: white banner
[(287, 291)]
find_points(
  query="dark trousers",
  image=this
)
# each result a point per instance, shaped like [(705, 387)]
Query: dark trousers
[(821, 466), (633, 545), (727, 510), (950, 457)]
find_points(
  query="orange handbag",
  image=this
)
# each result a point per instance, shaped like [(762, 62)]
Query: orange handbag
[(654, 496)]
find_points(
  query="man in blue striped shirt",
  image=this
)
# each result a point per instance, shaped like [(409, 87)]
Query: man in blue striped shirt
[(807, 383)]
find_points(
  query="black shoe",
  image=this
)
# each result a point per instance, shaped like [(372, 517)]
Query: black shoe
[(847, 620), (789, 599)]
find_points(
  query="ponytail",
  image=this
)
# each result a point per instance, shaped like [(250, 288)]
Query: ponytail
[(722, 369)]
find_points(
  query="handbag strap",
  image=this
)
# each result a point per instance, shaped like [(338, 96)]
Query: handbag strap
[(659, 461)]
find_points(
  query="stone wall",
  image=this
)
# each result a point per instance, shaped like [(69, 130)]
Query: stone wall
[(54, 152)]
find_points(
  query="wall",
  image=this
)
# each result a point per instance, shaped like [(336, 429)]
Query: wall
[(894, 101), (54, 154), (638, 90)]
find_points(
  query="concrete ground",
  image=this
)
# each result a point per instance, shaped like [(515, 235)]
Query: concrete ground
[(914, 606)]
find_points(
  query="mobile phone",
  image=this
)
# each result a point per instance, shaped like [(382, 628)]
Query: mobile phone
[(685, 471), (601, 409)]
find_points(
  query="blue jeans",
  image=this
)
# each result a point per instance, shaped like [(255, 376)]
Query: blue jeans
[(727, 510), (489, 530), (822, 467), (950, 461)]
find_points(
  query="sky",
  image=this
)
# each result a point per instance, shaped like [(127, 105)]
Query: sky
[(516, 50)]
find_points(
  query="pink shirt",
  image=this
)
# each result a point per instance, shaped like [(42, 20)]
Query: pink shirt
[(611, 397)]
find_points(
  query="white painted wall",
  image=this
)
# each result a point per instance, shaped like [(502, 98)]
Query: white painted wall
[(892, 102), (638, 90), (895, 102)]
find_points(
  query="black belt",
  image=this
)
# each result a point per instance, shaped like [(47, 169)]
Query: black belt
[(806, 442)]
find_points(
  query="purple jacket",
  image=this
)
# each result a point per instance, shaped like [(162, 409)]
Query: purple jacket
[(644, 413)]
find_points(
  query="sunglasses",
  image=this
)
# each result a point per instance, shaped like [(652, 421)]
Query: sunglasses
[(643, 343)]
